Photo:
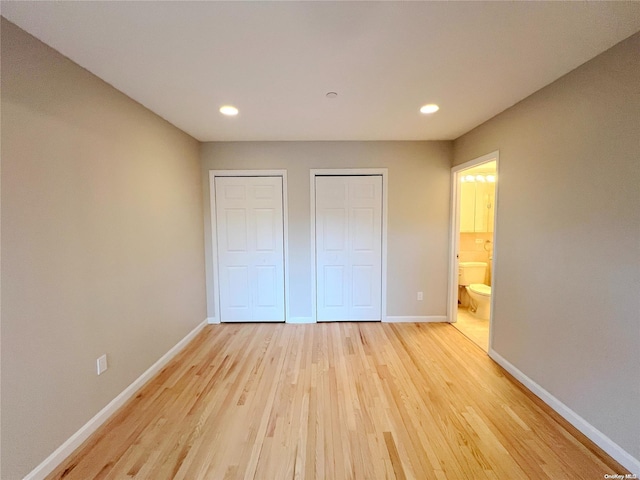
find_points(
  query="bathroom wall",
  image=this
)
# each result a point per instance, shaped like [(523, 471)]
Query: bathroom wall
[(477, 209), (470, 251)]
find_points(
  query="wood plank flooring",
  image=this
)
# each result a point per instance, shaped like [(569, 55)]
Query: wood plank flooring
[(335, 401)]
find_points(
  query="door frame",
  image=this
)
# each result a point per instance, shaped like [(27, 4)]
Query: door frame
[(455, 238), (214, 237), (348, 172)]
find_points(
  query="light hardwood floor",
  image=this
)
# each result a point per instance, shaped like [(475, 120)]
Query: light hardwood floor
[(335, 401)]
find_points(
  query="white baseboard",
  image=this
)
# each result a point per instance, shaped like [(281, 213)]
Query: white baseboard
[(300, 320), (73, 442), (596, 436), (422, 319), (213, 320)]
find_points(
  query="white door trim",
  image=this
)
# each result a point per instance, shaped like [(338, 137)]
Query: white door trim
[(384, 172), (455, 237), (214, 242)]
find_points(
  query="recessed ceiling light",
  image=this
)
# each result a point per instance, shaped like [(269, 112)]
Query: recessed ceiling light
[(228, 110), (430, 108)]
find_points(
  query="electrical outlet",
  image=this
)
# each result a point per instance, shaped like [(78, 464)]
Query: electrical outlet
[(419, 296), (102, 364), (479, 241)]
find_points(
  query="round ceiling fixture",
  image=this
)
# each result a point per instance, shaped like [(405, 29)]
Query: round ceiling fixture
[(228, 110), (332, 94), (430, 108)]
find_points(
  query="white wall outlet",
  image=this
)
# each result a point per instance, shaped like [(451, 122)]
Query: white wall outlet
[(479, 241), (420, 296), (102, 364)]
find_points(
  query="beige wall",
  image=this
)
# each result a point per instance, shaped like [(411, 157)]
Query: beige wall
[(102, 245), (567, 271), (418, 215)]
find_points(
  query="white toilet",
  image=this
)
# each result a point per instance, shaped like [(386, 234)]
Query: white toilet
[(472, 276)]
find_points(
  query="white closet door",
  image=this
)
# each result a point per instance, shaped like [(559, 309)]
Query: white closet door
[(250, 238), (348, 247)]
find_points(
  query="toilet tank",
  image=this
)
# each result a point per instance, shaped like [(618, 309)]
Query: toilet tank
[(471, 272)]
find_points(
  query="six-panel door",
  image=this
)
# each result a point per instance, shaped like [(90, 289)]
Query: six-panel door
[(250, 233), (348, 247)]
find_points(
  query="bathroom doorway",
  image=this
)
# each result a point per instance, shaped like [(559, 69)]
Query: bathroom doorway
[(472, 262)]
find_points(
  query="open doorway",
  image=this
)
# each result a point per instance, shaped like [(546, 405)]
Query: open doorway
[(471, 292)]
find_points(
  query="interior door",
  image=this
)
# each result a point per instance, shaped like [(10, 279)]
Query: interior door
[(250, 241), (349, 248)]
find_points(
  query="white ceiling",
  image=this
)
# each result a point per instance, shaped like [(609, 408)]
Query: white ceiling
[(275, 61)]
